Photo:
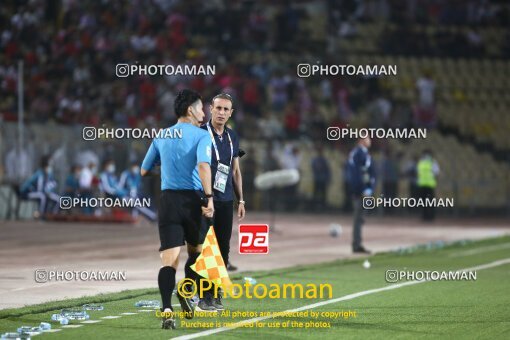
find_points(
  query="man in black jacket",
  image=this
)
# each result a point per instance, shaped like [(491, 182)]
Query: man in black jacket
[(227, 181), (362, 183)]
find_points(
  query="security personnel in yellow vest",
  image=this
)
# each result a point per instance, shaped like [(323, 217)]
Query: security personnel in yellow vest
[(427, 171)]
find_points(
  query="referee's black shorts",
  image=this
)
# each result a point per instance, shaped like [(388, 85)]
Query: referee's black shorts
[(180, 218)]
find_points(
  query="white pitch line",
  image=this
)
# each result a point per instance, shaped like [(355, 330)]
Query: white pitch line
[(72, 326), (128, 313), (111, 317), (327, 302), (480, 250), (91, 321), (53, 330)]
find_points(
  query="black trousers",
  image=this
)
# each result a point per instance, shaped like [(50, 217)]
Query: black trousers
[(359, 220), (223, 217), (428, 213), (320, 190)]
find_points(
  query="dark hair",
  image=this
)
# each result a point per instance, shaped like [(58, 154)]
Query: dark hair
[(185, 99), (223, 96), (107, 161), (45, 161)]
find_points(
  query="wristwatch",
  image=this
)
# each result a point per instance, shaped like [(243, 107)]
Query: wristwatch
[(241, 202)]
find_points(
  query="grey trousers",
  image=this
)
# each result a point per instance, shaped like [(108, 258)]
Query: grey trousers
[(359, 212)]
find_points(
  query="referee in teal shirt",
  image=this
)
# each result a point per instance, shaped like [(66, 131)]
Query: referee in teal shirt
[(185, 183)]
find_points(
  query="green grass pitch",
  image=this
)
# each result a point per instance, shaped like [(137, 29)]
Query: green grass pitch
[(440, 309)]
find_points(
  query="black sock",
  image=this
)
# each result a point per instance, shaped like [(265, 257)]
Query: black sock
[(190, 273), (166, 283)]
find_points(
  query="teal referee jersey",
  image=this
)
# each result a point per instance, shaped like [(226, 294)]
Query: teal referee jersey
[(179, 157)]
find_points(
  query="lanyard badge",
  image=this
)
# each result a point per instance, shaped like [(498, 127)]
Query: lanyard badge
[(221, 178), (223, 170)]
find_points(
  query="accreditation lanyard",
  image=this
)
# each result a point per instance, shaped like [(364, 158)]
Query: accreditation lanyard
[(216, 147)]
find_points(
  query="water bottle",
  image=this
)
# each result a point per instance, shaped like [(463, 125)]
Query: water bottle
[(74, 314), (147, 304), (12, 335), (45, 326), (56, 317), (91, 306), (23, 329), (29, 330)]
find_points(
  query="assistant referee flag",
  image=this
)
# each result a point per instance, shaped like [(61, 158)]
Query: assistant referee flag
[(209, 263)]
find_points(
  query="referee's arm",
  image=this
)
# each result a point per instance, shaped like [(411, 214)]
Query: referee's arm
[(204, 172), (150, 159)]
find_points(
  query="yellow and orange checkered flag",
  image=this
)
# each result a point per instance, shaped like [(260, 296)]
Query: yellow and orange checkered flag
[(209, 263)]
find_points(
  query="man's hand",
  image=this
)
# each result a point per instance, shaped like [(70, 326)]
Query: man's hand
[(209, 210), (241, 212)]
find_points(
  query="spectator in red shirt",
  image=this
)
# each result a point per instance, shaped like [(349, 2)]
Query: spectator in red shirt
[(292, 122), (251, 97)]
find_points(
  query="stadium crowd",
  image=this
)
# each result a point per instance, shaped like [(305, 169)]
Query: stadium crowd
[(70, 49)]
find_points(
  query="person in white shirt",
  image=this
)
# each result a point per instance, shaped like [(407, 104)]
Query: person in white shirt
[(426, 88), (18, 165), (86, 183)]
